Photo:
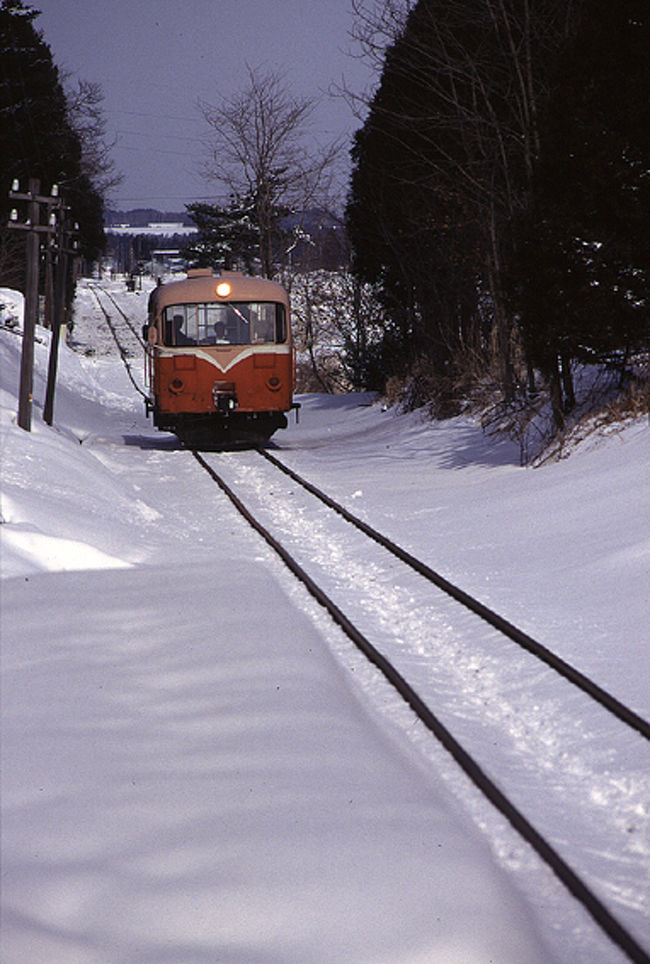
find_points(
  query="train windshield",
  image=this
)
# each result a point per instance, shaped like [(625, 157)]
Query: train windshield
[(225, 323)]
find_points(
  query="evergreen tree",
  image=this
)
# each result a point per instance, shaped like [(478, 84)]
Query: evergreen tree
[(581, 275), (36, 137), (228, 236), (400, 218)]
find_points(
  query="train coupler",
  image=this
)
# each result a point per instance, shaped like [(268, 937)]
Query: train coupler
[(224, 397)]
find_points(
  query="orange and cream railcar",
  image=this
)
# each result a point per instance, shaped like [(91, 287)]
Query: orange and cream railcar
[(220, 364)]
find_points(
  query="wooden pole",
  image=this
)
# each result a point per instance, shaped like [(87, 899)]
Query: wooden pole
[(57, 324)]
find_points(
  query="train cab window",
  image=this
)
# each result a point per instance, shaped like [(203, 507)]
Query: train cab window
[(238, 323), (226, 323)]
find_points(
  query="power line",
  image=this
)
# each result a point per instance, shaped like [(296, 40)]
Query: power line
[(177, 197), (161, 136), (145, 150), (146, 113)]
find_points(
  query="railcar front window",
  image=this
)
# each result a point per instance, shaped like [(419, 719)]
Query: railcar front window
[(226, 323)]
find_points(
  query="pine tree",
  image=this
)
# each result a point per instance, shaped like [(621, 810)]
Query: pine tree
[(581, 274), (227, 235), (36, 137)]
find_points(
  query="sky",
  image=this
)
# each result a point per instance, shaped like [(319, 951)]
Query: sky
[(155, 59)]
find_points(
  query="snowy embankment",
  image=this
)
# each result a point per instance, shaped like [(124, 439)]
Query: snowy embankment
[(189, 775)]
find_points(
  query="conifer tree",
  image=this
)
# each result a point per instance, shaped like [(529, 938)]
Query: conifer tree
[(36, 137), (229, 235), (581, 274)]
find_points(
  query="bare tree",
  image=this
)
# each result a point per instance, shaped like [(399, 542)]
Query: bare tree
[(259, 148), (378, 24), (84, 105)]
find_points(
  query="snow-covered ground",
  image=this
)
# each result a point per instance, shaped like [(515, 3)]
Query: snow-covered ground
[(196, 767)]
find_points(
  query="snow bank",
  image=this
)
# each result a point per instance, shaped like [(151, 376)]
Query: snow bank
[(204, 788)]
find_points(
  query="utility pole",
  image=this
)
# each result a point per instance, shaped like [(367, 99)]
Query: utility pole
[(34, 228), (64, 235)]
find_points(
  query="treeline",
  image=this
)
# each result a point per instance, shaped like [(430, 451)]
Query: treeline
[(52, 130), (500, 197)]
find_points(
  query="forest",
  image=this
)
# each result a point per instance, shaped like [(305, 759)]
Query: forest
[(499, 203)]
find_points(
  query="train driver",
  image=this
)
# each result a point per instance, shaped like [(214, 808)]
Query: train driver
[(180, 338)]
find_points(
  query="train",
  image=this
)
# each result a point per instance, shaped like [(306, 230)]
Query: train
[(219, 361)]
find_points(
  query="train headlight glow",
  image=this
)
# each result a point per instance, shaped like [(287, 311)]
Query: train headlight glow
[(223, 289)]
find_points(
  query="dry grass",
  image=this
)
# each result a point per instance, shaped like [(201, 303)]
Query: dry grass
[(602, 405)]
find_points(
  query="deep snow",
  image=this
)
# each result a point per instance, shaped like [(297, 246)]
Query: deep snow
[(196, 767)]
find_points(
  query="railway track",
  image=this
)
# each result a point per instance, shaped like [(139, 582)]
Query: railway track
[(127, 352), (402, 607), (290, 521), (98, 289), (564, 669)]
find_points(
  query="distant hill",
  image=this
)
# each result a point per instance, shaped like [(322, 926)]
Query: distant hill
[(313, 220)]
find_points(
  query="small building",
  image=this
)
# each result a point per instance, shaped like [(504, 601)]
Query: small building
[(167, 261)]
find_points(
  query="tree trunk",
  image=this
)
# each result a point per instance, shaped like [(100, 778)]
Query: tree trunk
[(557, 405), (567, 385)]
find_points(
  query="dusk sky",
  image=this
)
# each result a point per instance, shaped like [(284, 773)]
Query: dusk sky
[(156, 58)]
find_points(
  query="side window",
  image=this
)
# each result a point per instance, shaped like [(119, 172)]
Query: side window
[(280, 324)]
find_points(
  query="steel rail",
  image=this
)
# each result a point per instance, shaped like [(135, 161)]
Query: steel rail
[(568, 672), (574, 884), (111, 327), (121, 310)]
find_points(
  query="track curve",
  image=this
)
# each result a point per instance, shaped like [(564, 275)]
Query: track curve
[(124, 352), (594, 906)]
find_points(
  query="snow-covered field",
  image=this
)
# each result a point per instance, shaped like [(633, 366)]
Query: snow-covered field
[(196, 767)]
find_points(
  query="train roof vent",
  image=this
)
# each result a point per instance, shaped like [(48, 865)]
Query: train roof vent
[(199, 273)]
